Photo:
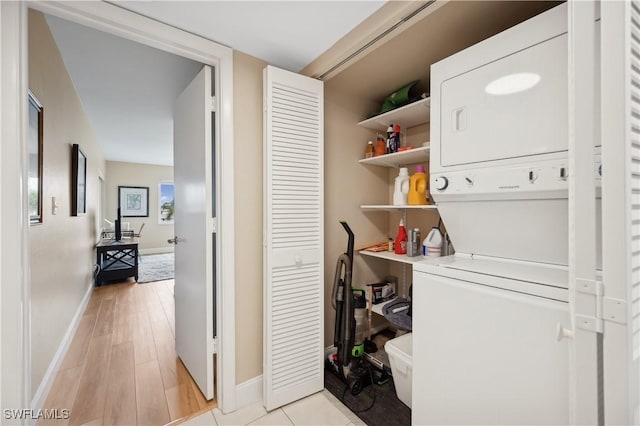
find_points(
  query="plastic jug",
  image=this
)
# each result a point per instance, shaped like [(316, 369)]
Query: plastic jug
[(418, 187), (432, 244), (401, 188)]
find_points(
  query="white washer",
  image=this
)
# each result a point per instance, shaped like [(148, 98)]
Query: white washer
[(485, 345), (486, 321)]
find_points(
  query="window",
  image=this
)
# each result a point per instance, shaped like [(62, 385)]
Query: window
[(166, 202)]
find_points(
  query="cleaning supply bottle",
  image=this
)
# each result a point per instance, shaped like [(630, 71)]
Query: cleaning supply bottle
[(390, 139), (432, 244), (368, 153), (418, 187), (381, 145), (400, 244), (401, 188), (396, 138)]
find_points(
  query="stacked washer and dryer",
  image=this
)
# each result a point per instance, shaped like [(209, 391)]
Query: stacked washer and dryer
[(485, 344)]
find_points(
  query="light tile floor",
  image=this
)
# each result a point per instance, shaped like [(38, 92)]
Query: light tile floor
[(321, 408)]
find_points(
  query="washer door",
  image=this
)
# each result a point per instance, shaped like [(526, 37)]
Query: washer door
[(484, 355)]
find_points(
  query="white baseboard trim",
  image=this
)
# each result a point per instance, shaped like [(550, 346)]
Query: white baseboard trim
[(49, 376), (157, 250), (249, 392)]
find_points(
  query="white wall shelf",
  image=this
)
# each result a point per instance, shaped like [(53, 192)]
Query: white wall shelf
[(377, 309), (388, 255), (392, 208), (399, 159), (407, 116)]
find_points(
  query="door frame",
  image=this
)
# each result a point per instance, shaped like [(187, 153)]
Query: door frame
[(14, 241)]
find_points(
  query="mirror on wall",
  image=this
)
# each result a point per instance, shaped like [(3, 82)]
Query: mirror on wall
[(35, 139)]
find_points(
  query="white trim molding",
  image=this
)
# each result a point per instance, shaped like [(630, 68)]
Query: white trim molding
[(249, 392), (15, 390), (49, 376), (16, 375)]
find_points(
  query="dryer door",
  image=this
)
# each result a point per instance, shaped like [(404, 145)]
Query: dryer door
[(512, 107)]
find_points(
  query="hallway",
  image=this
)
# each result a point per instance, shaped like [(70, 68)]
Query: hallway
[(121, 367)]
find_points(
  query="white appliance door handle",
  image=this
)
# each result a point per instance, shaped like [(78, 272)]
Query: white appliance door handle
[(459, 119), (563, 333)]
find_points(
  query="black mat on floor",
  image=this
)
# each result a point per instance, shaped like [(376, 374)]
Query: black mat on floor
[(387, 410)]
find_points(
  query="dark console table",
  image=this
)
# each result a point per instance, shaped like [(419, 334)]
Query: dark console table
[(117, 260)]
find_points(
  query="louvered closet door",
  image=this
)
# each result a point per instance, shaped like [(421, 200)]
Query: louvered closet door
[(293, 227), (620, 49)]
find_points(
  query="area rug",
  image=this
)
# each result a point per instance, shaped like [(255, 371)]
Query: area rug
[(156, 267)]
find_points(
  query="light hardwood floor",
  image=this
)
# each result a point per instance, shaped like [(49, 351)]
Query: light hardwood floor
[(121, 367)]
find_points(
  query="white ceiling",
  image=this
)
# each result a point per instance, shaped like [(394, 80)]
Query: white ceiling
[(127, 89), (287, 34)]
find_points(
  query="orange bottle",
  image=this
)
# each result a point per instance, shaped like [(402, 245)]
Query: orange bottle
[(368, 153), (381, 146), (418, 187)]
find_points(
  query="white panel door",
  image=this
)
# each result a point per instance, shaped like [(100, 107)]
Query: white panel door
[(293, 237), (194, 230)]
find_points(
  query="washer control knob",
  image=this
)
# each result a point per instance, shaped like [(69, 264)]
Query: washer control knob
[(441, 183)]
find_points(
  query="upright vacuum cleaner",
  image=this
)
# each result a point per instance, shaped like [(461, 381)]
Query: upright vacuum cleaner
[(350, 325)]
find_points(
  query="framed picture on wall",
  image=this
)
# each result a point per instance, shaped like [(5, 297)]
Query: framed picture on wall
[(134, 201), (165, 203), (78, 181), (35, 141)]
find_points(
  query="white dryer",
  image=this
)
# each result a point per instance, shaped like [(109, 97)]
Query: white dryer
[(486, 320)]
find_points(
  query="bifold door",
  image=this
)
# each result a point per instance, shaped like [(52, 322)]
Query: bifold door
[(620, 94), (293, 237)]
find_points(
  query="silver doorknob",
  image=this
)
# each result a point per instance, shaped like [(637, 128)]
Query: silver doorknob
[(173, 240)]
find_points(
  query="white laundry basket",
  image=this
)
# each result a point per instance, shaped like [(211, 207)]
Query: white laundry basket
[(400, 351)]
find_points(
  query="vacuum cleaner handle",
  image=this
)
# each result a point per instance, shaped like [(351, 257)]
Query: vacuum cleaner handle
[(351, 241), (338, 281)]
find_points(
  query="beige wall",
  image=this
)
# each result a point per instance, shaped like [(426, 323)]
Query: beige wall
[(154, 235), (62, 254), (247, 117)]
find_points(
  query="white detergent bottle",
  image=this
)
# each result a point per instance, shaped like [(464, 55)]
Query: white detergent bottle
[(432, 244), (401, 188)]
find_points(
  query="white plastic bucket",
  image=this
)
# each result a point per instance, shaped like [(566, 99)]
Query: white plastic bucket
[(400, 351)]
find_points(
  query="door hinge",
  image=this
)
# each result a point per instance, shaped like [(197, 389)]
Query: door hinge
[(213, 104), (606, 308), (213, 346)]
